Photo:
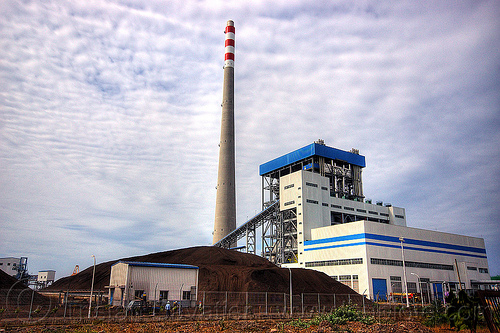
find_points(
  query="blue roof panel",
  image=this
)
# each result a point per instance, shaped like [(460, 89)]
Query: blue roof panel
[(154, 264), (308, 151)]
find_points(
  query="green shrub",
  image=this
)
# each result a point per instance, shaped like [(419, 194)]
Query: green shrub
[(299, 323), (434, 314), (342, 315), (462, 311)]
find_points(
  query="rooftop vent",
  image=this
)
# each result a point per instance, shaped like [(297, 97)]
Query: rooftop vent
[(320, 142)]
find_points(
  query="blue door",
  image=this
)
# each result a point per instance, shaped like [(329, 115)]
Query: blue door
[(438, 291), (379, 289)]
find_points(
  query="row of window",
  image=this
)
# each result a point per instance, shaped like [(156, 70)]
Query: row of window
[(337, 262), (390, 262), (481, 270), (340, 207), (348, 280)]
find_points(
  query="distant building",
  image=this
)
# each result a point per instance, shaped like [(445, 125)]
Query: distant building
[(153, 281), (46, 278), (9, 265)]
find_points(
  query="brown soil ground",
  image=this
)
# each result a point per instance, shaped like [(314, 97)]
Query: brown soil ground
[(230, 326), (220, 270)]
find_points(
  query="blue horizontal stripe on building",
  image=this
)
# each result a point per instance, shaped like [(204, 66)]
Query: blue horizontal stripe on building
[(366, 236)]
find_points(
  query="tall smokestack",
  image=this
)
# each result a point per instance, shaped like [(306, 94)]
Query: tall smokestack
[(225, 205)]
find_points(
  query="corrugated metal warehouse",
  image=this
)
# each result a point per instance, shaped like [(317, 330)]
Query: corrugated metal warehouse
[(155, 281)]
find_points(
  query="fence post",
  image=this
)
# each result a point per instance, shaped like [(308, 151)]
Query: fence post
[(225, 306), (203, 307), (302, 296), (266, 302), (284, 303), (319, 304), (334, 301), (246, 303)]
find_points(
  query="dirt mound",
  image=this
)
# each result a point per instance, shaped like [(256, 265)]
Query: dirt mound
[(15, 293), (220, 270), (9, 282)]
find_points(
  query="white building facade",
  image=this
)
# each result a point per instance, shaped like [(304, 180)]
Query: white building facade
[(346, 236), (46, 278), (9, 265), (153, 281)]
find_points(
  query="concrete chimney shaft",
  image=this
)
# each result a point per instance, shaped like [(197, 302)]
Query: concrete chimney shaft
[(225, 205)]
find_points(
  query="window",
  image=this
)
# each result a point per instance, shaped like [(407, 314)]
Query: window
[(390, 262), (400, 216), (186, 294), (163, 294), (384, 214), (311, 184), (349, 208), (139, 293), (396, 284), (361, 210), (471, 268), (324, 188), (372, 212), (483, 270), (289, 203), (345, 279), (355, 283), (325, 204), (312, 201), (288, 186), (336, 262), (412, 287), (336, 206)]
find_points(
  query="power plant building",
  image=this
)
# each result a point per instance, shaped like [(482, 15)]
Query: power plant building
[(315, 216), (361, 243)]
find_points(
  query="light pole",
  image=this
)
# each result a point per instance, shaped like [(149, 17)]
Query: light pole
[(420, 285), (401, 239), (154, 305), (290, 271), (92, 287), (180, 298)]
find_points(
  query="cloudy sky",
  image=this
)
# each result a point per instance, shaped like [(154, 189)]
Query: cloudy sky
[(110, 115)]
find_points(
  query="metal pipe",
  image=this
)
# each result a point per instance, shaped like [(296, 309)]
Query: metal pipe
[(91, 287)]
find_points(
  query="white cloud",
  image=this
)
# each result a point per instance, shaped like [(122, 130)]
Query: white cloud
[(109, 115)]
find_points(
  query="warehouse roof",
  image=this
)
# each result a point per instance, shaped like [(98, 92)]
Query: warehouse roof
[(154, 264), (313, 149)]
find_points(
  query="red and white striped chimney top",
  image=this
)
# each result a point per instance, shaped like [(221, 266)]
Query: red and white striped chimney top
[(229, 43)]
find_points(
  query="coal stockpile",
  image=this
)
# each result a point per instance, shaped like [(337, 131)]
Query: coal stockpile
[(14, 293), (220, 270)]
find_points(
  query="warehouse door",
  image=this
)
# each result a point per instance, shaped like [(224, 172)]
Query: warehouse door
[(379, 289)]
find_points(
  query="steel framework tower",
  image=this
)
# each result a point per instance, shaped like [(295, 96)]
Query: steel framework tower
[(225, 206)]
